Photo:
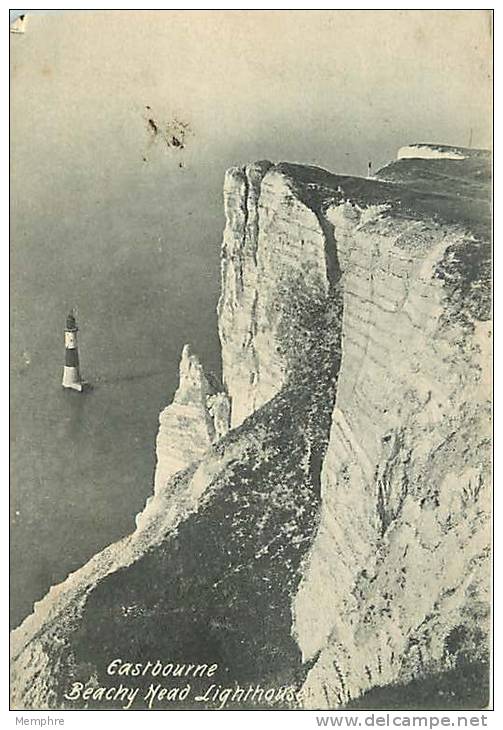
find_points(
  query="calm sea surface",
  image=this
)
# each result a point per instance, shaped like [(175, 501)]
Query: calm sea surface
[(82, 464)]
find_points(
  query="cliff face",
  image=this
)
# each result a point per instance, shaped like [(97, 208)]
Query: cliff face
[(397, 580), (275, 257), (198, 416), (336, 539)]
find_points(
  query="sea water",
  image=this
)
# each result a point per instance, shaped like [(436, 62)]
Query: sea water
[(82, 464)]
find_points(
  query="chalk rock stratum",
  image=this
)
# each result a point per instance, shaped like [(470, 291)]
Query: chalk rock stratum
[(198, 416), (321, 520)]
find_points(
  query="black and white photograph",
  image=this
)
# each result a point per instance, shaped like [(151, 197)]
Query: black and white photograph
[(251, 360)]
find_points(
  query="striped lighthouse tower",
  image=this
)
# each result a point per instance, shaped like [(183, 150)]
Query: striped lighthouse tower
[(71, 374)]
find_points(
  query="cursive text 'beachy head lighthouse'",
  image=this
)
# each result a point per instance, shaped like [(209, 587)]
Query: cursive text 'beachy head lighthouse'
[(71, 373)]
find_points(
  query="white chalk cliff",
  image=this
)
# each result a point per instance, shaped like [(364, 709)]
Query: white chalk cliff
[(322, 519), (196, 418)]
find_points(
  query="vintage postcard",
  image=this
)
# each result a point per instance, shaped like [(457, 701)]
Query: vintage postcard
[(251, 359)]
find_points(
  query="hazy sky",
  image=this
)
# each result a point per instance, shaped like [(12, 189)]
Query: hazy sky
[(310, 85)]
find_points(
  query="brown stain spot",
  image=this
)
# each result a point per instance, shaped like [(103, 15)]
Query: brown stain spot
[(173, 134), (46, 71)]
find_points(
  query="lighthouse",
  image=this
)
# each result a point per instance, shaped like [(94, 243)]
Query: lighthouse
[(71, 374)]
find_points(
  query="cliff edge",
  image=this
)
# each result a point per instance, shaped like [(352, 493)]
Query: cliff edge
[(320, 521)]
